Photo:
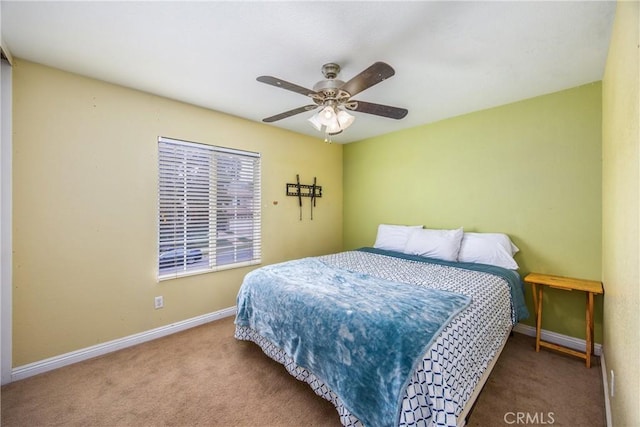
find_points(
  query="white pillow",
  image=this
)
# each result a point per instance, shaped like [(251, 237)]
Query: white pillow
[(393, 237), (439, 244), (488, 248)]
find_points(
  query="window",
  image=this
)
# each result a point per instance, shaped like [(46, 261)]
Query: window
[(209, 208)]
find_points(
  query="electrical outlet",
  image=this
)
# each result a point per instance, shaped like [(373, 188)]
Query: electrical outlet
[(159, 302), (613, 383)]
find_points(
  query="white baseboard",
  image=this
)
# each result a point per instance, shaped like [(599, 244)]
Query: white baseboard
[(556, 338), (31, 369), (605, 384)]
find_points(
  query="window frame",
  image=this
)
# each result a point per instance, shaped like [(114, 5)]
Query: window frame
[(211, 252)]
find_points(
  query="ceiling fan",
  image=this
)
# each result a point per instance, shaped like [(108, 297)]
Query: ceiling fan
[(334, 97)]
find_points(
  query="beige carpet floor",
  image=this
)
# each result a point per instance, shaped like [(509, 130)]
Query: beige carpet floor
[(204, 377)]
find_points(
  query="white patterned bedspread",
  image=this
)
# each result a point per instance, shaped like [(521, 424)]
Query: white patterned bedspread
[(450, 370)]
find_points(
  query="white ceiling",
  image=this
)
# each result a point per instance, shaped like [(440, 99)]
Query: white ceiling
[(450, 58)]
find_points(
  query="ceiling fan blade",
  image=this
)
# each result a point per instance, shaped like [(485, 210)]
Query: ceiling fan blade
[(273, 81), (377, 109), (369, 77), (290, 113)]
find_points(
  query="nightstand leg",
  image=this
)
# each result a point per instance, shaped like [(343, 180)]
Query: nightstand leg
[(589, 349), (538, 307)]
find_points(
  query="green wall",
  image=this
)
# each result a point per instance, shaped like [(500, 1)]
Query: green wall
[(531, 169)]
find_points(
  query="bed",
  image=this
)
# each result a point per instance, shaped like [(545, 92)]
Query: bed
[(388, 337)]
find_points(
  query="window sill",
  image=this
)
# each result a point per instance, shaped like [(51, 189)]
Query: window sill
[(178, 275)]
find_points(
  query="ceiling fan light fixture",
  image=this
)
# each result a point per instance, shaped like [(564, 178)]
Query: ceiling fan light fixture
[(327, 116), (333, 128), (344, 119), (315, 121), (334, 120)]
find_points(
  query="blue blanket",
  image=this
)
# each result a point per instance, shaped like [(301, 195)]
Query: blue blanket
[(360, 335)]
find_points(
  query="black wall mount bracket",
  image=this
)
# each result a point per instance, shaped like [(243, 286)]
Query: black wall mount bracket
[(298, 190), (306, 190)]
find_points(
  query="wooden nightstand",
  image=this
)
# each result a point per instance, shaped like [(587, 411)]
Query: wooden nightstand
[(590, 287)]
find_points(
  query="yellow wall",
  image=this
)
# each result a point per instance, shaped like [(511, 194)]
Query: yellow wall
[(85, 209), (531, 169), (621, 213)]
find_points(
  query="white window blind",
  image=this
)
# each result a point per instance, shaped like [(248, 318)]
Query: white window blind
[(209, 208)]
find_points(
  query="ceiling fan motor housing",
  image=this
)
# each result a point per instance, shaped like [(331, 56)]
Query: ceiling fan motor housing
[(330, 87), (330, 70)]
